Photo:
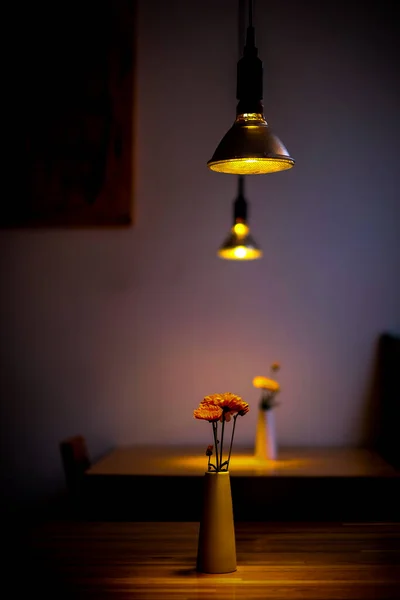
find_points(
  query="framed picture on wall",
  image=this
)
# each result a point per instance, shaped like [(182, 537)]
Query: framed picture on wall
[(76, 75)]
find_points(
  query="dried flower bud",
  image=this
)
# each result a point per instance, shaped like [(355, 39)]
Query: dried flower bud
[(209, 450)]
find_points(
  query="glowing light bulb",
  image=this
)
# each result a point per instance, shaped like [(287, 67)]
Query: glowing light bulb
[(241, 229), (240, 252)]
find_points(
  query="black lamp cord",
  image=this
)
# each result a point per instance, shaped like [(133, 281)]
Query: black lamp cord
[(241, 27), (242, 41), (249, 87), (240, 208), (250, 13), (240, 211)]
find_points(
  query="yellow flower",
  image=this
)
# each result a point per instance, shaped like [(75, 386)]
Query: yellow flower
[(265, 383)]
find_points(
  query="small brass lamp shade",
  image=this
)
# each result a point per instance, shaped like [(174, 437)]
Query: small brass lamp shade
[(239, 244), (237, 247)]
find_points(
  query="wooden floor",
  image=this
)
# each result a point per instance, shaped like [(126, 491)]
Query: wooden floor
[(156, 561)]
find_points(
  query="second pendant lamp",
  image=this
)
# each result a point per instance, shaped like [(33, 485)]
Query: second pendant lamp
[(240, 245), (250, 147)]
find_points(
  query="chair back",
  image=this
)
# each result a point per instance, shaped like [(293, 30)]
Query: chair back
[(75, 459)]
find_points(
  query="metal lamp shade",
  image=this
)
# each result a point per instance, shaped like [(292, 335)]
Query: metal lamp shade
[(239, 247), (250, 148)]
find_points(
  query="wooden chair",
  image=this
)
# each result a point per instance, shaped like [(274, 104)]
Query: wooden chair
[(75, 459)]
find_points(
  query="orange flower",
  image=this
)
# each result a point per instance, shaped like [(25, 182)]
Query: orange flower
[(265, 383), (220, 407), (211, 399), (231, 404), (208, 411), (244, 410)]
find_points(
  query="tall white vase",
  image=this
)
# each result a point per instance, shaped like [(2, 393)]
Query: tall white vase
[(265, 444)]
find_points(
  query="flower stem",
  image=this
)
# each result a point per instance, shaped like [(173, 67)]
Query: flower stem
[(222, 438), (214, 426), (230, 447)]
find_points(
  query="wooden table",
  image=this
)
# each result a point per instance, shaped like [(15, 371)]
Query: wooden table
[(294, 462), (303, 484), (156, 561)]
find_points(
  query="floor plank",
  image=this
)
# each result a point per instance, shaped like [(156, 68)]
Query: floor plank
[(154, 561)]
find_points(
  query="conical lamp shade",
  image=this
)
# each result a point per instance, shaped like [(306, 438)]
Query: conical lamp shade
[(250, 148), (240, 245)]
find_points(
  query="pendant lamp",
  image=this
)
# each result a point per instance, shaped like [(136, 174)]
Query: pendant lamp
[(240, 245), (250, 147)]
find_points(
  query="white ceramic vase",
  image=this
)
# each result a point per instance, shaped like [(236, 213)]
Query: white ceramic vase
[(265, 444)]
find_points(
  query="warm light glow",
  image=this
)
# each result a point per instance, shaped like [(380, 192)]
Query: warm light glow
[(241, 229), (240, 253), (244, 463), (251, 166)]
